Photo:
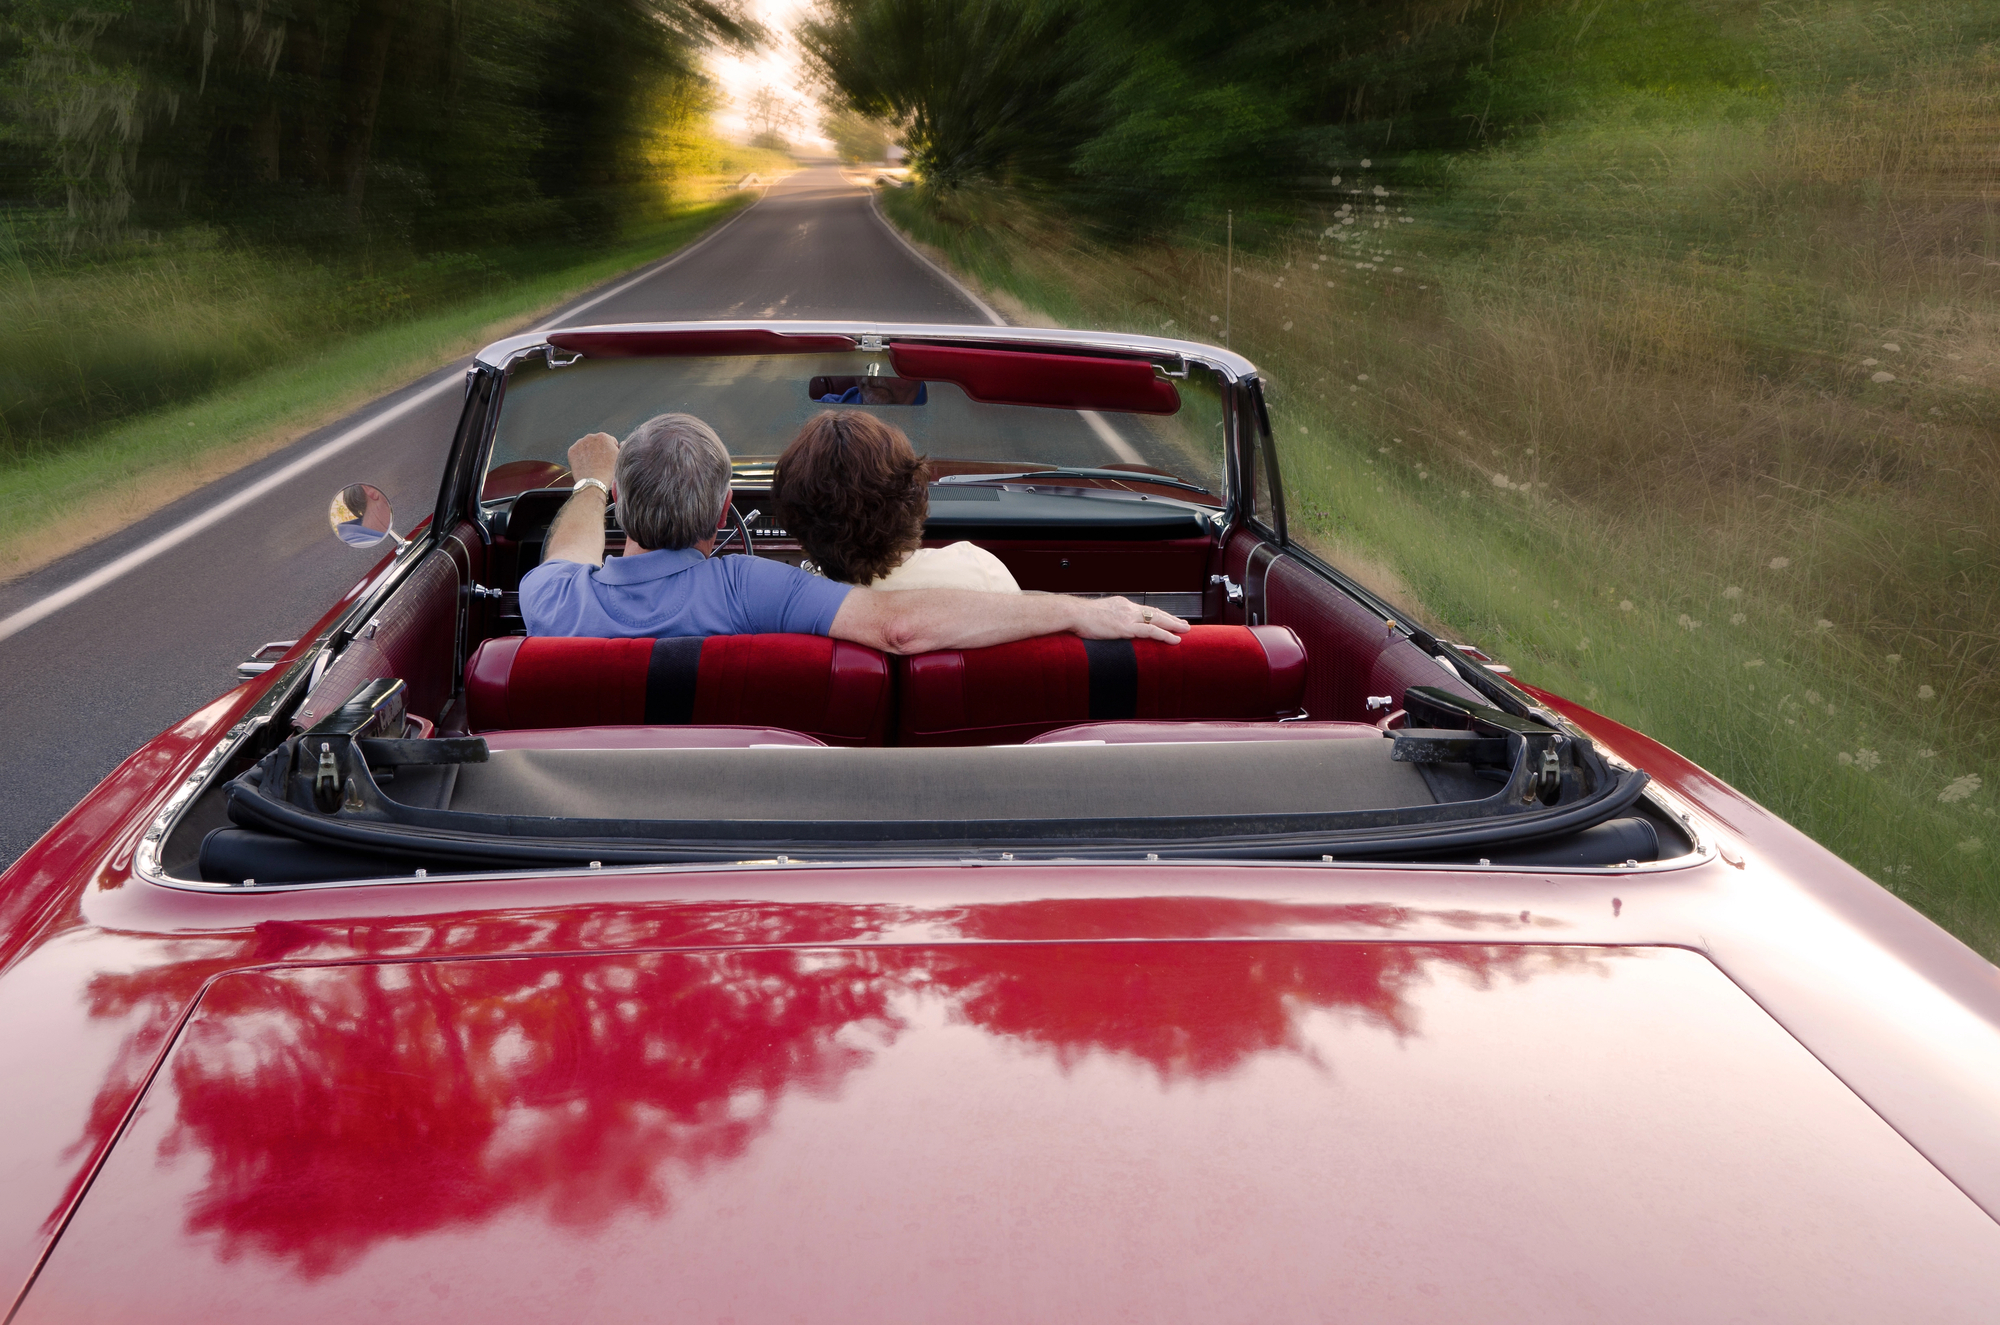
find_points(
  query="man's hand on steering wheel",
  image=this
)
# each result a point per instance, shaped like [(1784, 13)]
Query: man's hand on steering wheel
[(594, 456)]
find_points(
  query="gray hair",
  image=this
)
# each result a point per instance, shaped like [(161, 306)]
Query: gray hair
[(673, 476)]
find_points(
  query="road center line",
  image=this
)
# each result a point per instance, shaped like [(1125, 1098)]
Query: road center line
[(50, 604)]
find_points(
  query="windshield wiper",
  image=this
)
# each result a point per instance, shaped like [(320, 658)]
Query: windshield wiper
[(1120, 475)]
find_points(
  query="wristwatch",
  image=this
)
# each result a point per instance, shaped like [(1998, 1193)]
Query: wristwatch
[(597, 483)]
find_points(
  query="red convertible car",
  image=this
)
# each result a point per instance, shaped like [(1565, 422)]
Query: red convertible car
[(1311, 969)]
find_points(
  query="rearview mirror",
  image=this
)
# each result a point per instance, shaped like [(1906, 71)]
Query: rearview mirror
[(361, 517), (867, 390)]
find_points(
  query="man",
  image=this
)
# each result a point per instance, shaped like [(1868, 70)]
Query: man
[(671, 478)]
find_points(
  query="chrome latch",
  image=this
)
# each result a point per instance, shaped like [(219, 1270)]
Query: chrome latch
[(1231, 590), (264, 659), (326, 779), (1380, 702), (549, 357), (481, 591)]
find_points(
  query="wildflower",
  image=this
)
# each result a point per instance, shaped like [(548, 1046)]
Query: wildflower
[(1867, 760), (1754, 662), (1870, 363), (1970, 845), (1895, 658), (1381, 192), (1823, 624), (1423, 473), (1364, 163), (1336, 179), (1881, 377), (1583, 643), (1737, 618), (1925, 692), (1361, 377), (1302, 430), (1687, 622), (1829, 710), (1500, 481), (1779, 563), (1892, 347), (1732, 592), (1396, 271), (1625, 605), (1812, 696), (1846, 759), (1926, 753), (1215, 317), (1382, 450), (1288, 326), (1959, 789)]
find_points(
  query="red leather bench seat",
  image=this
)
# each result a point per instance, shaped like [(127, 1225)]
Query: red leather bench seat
[(1012, 692), (833, 691)]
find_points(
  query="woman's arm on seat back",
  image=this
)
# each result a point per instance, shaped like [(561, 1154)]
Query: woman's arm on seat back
[(923, 620)]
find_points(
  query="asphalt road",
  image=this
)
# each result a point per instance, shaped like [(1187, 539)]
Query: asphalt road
[(88, 683)]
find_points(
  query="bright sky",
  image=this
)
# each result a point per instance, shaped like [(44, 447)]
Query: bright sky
[(779, 66)]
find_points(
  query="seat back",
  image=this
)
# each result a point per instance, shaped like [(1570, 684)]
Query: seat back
[(833, 691), (1012, 692)]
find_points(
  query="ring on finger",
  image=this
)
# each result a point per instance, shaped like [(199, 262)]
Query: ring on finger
[(1147, 616)]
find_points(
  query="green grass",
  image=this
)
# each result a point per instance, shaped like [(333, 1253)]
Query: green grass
[(1640, 483), (313, 381)]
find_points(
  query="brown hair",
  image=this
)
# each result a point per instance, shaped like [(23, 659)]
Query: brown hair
[(854, 494)]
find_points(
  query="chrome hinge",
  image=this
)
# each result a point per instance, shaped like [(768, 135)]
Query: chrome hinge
[(1231, 590), (481, 591), (873, 342), (1380, 702), (264, 659)]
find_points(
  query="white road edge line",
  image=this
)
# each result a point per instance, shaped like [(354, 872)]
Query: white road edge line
[(1107, 434), (986, 309), (50, 604)]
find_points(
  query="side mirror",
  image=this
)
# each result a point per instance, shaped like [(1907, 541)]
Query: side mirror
[(361, 517)]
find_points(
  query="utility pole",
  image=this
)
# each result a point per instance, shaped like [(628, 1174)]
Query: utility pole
[(1228, 273)]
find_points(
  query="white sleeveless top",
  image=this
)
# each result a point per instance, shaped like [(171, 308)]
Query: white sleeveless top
[(959, 566)]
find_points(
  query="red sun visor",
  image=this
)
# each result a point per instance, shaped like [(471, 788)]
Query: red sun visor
[(1060, 381), (660, 344)]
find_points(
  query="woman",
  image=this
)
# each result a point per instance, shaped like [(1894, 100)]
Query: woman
[(854, 494)]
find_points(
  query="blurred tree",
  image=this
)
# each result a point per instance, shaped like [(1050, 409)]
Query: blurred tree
[(771, 119), (856, 137), (1142, 111), (426, 121)]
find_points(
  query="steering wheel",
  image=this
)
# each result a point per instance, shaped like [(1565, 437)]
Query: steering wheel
[(739, 525)]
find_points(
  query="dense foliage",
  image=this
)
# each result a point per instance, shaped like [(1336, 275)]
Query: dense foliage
[(438, 122), (1142, 111)]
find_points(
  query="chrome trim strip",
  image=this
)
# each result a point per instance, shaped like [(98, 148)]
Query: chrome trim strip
[(1231, 365)]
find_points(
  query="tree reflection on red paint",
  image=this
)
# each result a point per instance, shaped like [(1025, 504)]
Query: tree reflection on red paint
[(338, 1106), (335, 1106)]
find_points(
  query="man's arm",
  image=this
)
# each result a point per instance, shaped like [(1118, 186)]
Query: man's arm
[(578, 532), (920, 620)]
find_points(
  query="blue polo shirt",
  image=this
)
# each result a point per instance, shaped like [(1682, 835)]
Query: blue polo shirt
[(677, 592)]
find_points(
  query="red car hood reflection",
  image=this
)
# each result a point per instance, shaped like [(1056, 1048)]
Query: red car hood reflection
[(1162, 1131)]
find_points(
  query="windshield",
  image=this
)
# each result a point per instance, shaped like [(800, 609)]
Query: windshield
[(758, 403)]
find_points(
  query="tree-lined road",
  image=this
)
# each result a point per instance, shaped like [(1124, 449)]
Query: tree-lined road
[(90, 681)]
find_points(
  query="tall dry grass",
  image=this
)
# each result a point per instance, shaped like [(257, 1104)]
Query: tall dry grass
[(1688, 412)]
